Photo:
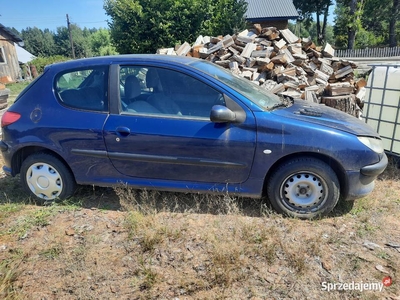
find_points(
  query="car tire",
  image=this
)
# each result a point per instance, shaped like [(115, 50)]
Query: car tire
[(303, 188), (46, 178)]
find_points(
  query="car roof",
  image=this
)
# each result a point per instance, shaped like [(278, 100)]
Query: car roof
[(122, 58)]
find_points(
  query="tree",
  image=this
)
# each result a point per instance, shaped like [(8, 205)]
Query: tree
[(38, 42), (227, 16), (309, 29), (394, 16), (355, 11), (143, 26), (320, 8), (100, 43), (366, 23), (348, 21), (80, 39)]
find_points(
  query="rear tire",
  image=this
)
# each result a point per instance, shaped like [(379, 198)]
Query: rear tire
[(304, 188), (46, 178)]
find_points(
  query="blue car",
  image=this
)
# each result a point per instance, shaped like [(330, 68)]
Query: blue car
[(183, 124)]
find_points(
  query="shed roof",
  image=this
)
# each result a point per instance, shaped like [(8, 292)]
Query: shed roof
[(23, 55), (13, 37), (258, 10)]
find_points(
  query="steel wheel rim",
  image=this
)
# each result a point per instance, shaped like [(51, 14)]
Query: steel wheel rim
[(44, 181), (304, 191)]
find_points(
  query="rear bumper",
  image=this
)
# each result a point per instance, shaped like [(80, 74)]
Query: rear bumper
[(3, 146), (7, 171), (6, 157), (361, 183)]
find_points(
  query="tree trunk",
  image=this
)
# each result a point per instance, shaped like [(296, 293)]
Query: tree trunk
[(392, 24), (319, 35), (351, 34), (326, 12)]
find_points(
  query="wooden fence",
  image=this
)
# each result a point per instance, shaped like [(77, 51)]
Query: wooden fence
[(369, 52)]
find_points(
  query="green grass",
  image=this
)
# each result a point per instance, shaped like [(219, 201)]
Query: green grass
[(15, 90), (39, 218)]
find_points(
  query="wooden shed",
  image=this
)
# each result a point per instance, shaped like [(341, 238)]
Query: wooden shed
[(9, 66)]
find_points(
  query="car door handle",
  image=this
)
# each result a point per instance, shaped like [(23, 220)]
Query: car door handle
[(123, 131)]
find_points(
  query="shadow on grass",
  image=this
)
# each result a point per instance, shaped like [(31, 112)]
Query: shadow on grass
[(124, 198), (11, 191), (151, 202)]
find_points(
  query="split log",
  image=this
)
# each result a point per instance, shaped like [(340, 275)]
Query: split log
[(289, 36)]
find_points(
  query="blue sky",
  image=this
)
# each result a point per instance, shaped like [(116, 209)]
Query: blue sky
[(52, 13)]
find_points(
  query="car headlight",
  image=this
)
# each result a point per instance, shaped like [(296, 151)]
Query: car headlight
[(372, 143)]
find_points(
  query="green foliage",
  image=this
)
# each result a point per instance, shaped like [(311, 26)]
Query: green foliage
[(41, 62), (371, 21), (80, 40), (38, 42), (321, 9), (100, 42), (226, 17), (142, 26), (87, 42), (309, 29)]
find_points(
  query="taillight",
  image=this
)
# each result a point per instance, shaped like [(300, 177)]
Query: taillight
[(9, 117)]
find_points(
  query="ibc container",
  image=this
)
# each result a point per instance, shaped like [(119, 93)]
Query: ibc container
[(382, 105)]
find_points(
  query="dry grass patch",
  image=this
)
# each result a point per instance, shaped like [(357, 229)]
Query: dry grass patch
[(129, 244)]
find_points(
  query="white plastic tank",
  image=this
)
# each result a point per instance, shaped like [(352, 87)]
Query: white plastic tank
[(382, 105)]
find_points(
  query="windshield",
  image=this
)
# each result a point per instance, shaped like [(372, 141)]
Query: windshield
[(256, 94)]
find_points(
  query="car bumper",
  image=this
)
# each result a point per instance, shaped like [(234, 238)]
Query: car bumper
[(3, 146), (5, 153), (7, 171), (361, 183), (375, 169)]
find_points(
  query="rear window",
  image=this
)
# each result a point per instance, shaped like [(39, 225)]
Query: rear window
[(84, 89)]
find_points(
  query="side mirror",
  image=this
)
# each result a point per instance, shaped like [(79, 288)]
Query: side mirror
[(222, 114)]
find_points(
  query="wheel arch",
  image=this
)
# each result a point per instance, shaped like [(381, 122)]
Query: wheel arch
[(334, 164), (23, 153)]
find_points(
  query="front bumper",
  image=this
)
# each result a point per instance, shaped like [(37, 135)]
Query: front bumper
[(375, 169), (361, 183)]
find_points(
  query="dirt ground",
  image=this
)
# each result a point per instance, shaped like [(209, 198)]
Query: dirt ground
[(128, 244)]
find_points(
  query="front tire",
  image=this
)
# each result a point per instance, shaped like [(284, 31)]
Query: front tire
[(46, 178), (304, 188)]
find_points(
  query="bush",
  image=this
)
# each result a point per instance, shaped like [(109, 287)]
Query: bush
[(41, 62)]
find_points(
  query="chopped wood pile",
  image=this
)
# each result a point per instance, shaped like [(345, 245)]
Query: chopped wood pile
[(3, 96), (284, 64)]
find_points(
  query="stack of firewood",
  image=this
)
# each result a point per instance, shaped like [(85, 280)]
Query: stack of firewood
[(3, 96), (282, 63)]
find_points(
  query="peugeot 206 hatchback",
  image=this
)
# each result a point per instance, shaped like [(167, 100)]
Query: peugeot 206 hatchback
[(183, 124)]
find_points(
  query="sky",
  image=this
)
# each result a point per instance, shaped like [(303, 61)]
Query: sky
[(52, 13)]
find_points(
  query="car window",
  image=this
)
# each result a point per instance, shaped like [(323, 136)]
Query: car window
[(83, 88), (160, 91), (256, 94)]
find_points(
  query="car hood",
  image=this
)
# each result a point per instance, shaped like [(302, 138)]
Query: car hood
[(326, 116)]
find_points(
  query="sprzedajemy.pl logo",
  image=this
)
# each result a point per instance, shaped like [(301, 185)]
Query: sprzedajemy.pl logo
[(356, 286)]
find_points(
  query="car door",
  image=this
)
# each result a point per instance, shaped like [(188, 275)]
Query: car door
[(164, 130)]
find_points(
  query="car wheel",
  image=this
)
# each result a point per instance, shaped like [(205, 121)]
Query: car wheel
[(304, 188), (47, 178)]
